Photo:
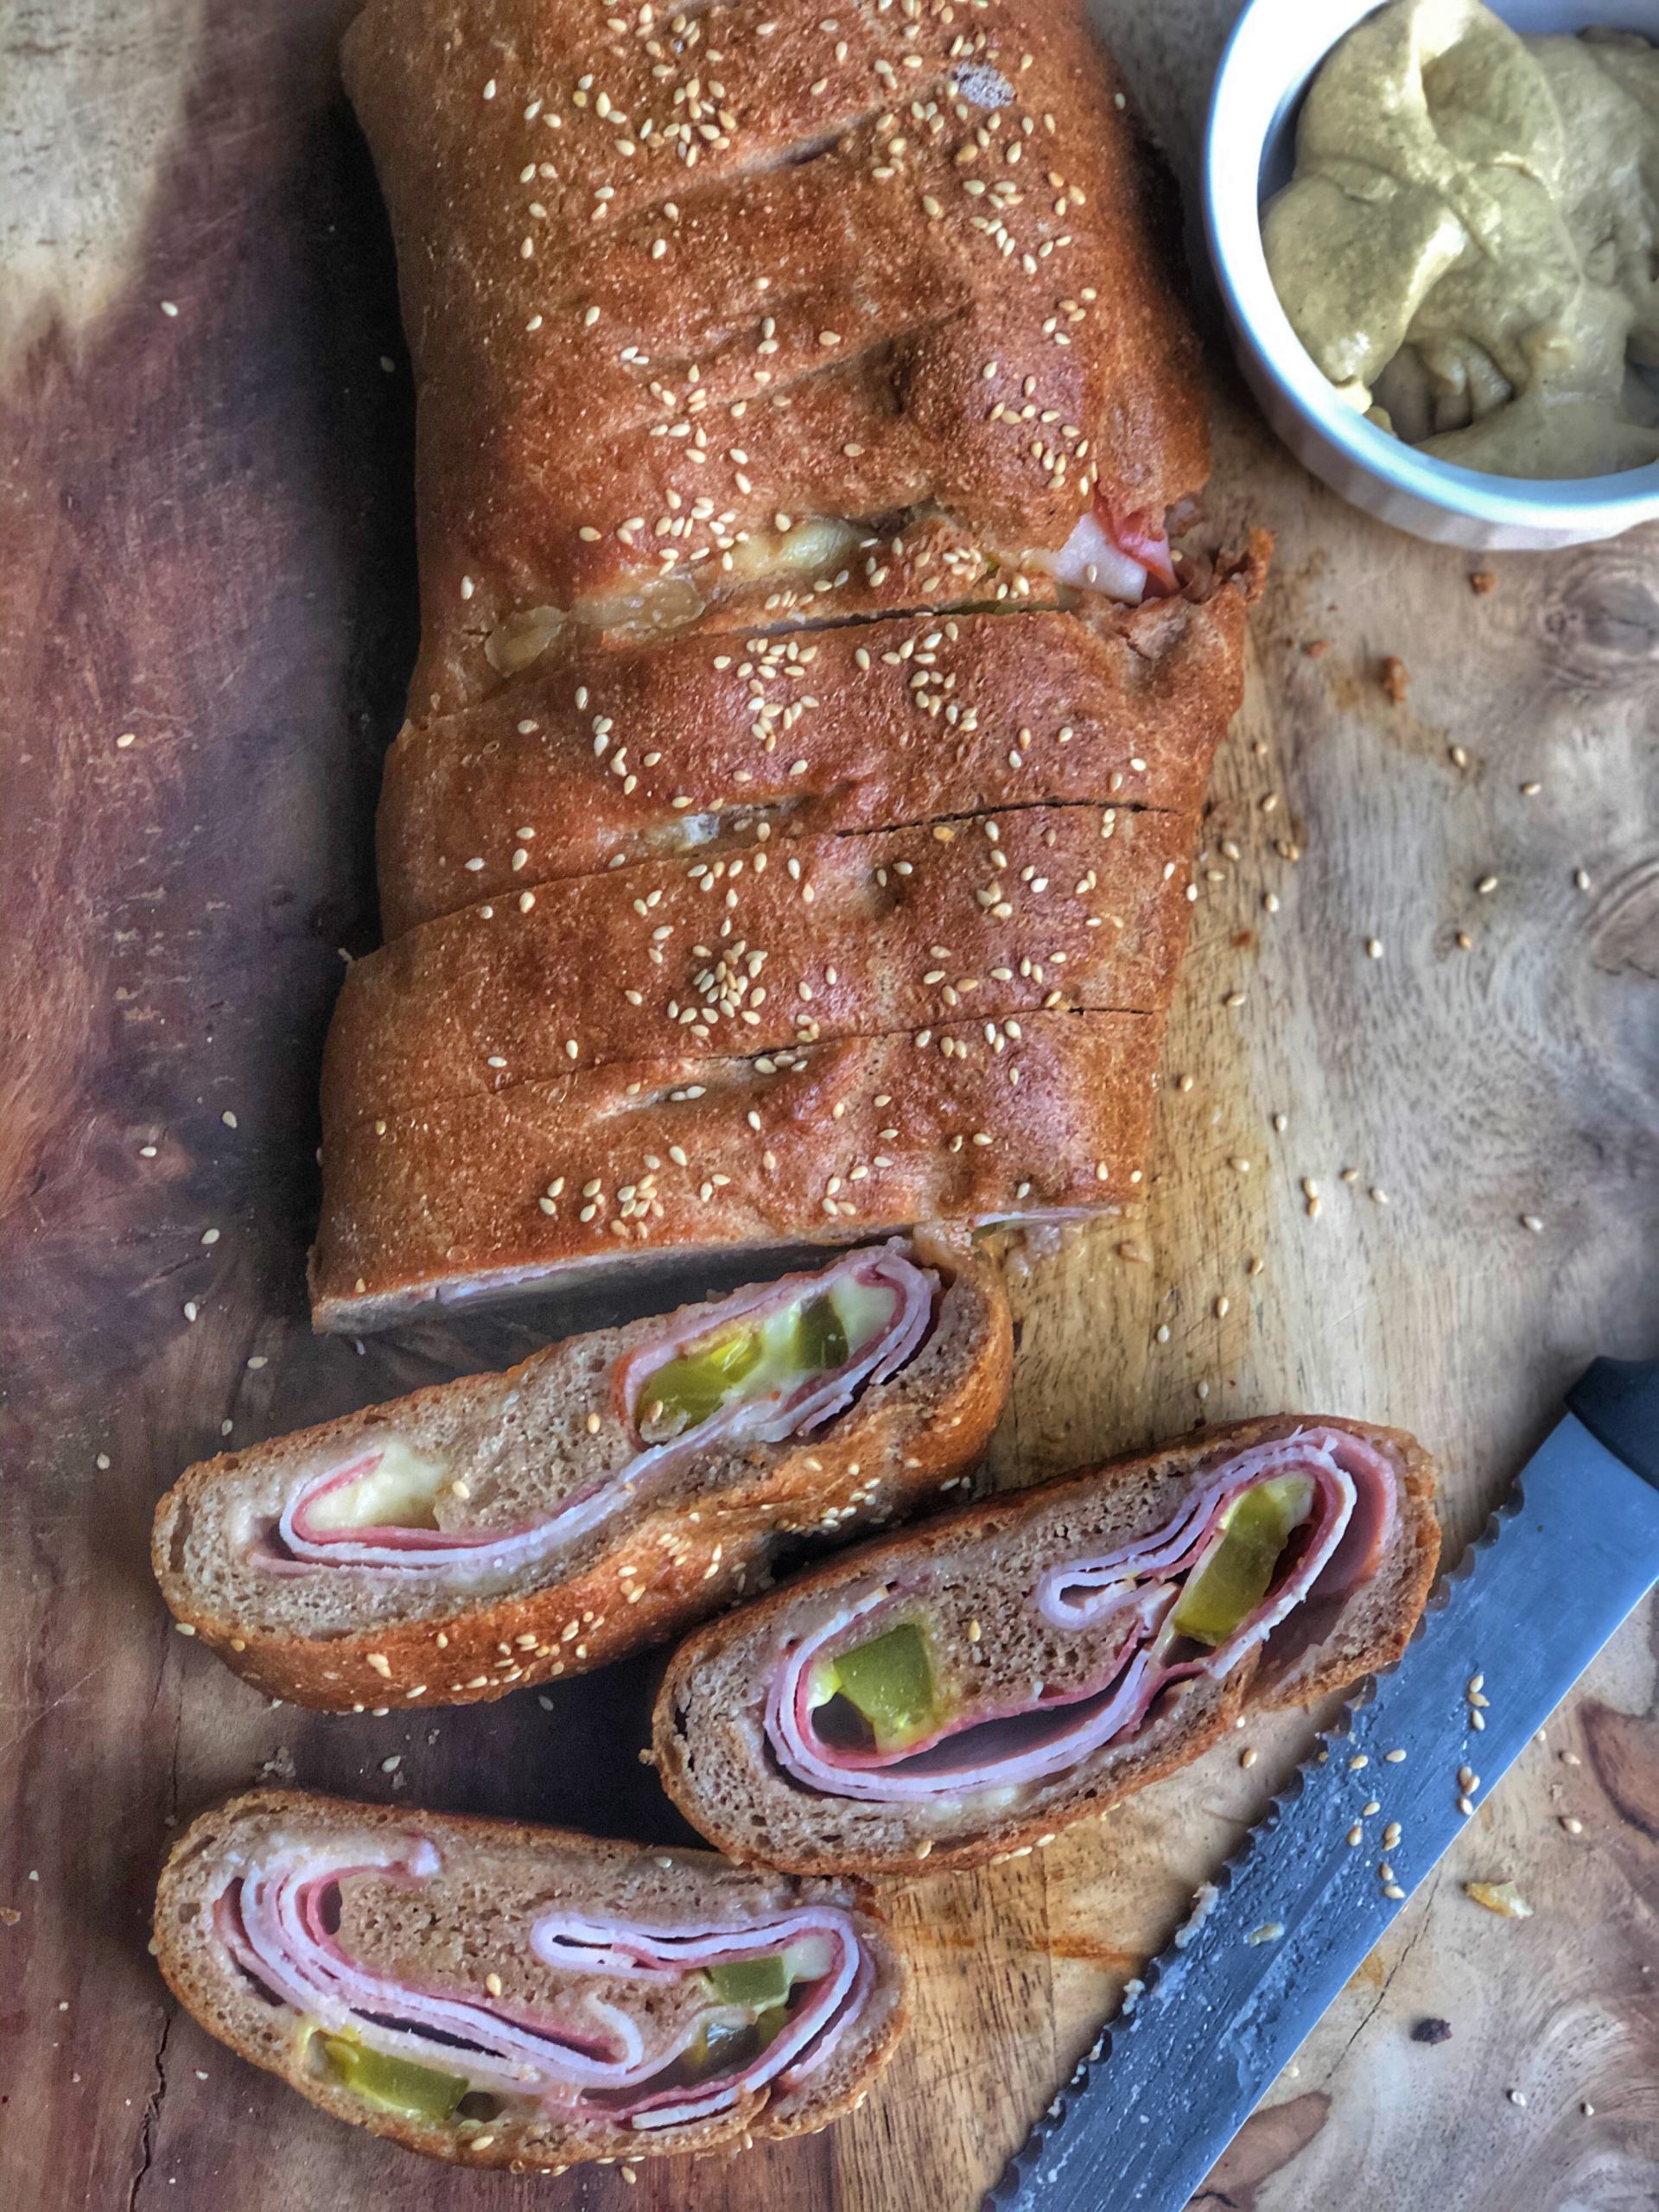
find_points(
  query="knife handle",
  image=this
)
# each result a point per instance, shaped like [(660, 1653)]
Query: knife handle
[(1617, 1400)]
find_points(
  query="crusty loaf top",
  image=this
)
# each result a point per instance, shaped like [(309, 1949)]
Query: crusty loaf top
[(678, 284), (601, 757)]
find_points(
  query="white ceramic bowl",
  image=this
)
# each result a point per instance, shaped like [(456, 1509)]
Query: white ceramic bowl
[(1249, 150)]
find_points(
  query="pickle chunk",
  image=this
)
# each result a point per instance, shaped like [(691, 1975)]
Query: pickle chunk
[(754, 1982), (720, 2046), (820, 1340), (687, 1391), (888, 1681), (751, 1359), (1221, 1596), (421, 2092)]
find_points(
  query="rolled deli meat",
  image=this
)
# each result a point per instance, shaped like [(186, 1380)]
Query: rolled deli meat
[(505, 1996), (969, 1687), (611, 1490)]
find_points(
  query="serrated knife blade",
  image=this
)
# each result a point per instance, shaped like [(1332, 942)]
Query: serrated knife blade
[(1271, 1943)]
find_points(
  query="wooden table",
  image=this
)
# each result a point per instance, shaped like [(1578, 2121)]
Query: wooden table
[(206, 618)]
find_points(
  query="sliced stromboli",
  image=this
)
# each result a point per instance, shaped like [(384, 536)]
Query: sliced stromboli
[(507, 1996), (679, 286), (609, 757), (631, 1164), (969, 1688), (769, 946), (507, 1528)]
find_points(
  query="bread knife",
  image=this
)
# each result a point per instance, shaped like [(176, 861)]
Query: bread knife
[(1270, 1943)]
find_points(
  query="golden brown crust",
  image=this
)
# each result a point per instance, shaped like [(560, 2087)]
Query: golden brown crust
[(767, 948), (908, 719), (191, 1974), (1409, 1569), (902, 1442), (830, 1145), (935, 265)]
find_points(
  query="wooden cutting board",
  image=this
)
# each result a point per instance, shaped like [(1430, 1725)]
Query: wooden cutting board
[(206, 618)]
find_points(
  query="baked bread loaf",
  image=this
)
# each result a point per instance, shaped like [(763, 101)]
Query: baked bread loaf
[(507, 1996), (710, 310), (802, 410), (596, 757), (645, 1163), (962, 1691), (612, 1489)]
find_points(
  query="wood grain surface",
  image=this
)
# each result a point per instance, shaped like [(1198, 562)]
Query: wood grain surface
[(206, 619)]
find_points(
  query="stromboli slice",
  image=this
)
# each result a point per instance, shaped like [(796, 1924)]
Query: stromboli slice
[(629, 1163), (607, 757), (507, 1528), (502, 1995), (769, 946), (654, 235), (970, 1688)]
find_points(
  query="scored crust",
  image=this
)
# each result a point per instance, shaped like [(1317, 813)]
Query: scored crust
[(673, 1882), (707, 1735), (669, 279), (908, 720), (627, 1585), (806, 938)]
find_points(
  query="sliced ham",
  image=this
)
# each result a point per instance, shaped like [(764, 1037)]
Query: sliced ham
[(277, 1917), (1133, 1586), (1122, 556), (305, 1542)]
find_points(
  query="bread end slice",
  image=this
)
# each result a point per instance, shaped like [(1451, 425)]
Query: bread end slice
[(648, 1573), (514, 1870)]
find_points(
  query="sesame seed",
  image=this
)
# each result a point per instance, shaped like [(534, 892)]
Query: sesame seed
[(1573, 1825)]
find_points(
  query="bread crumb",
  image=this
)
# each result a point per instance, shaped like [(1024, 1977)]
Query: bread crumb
[(1395, 678)]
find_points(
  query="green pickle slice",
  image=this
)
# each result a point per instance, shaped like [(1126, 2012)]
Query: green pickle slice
[(719, 2045), (890, 1681), (686, 1391), (421, 2092), (820, 1340), (789, 1347), (1257, 1525), (754, 1982)]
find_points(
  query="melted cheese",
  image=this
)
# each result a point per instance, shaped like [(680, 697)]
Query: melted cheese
[(401, 1493)]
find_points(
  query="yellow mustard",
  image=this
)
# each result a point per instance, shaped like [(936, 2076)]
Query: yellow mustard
[(1468, 247)]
